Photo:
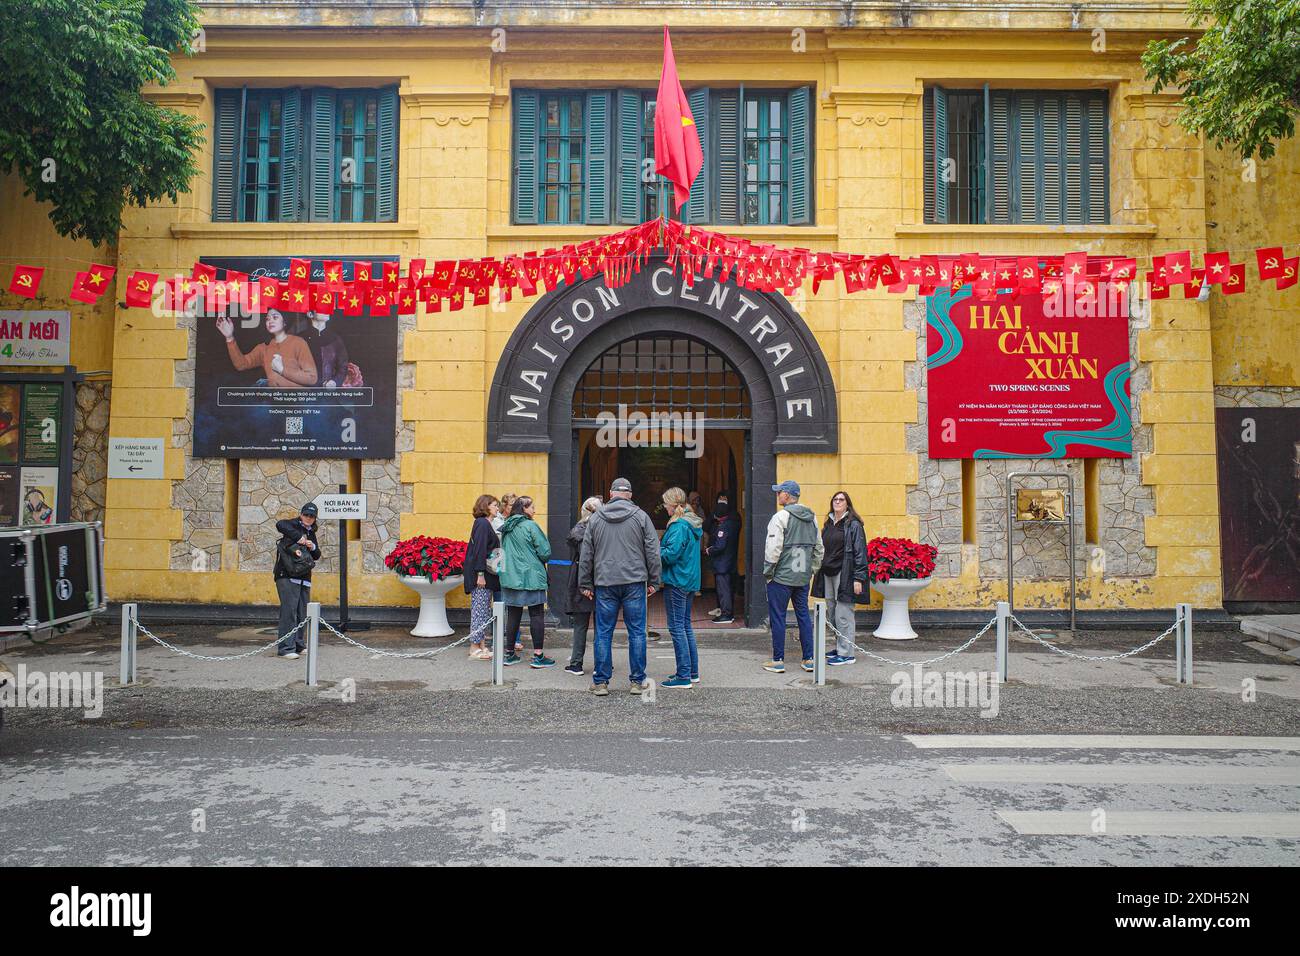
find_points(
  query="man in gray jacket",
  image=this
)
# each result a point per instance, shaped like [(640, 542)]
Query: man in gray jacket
[(619, 568), (791, 556)]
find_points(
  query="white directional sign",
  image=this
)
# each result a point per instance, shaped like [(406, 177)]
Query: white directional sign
[(341, 507), (135, 457)]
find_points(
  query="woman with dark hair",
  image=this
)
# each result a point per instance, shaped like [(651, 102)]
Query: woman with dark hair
[(525, 551), (842, 579), (285, 360), (481, 582)]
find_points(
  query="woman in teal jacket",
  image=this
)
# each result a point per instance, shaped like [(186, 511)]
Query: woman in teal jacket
[(679, 552), (524, 553)]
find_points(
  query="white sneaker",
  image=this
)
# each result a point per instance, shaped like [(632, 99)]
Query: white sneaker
[(291, 656), (715, 612)]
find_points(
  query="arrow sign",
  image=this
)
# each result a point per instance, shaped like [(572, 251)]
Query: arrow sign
[(140, 458)]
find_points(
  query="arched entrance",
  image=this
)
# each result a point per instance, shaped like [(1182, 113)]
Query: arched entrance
[(764, 343)]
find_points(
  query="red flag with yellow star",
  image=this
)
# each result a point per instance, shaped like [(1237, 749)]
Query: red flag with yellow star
[(678, 156)]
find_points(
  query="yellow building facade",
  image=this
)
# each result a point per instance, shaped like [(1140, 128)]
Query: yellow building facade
[(1149, 527)]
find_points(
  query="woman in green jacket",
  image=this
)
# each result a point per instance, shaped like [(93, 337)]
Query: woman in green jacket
[(524, 553), (679, 553)]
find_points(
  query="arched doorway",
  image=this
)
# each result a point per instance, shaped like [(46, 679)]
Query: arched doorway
[(662, 411), (792, 406)]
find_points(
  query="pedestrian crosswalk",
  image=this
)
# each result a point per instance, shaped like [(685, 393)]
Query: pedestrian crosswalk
[(1164, 785)]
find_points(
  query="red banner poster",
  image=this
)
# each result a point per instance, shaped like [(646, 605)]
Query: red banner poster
[(1028, 376)]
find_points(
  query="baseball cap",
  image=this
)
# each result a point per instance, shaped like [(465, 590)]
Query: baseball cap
[(789, 487), (309, 509), (621, 484)]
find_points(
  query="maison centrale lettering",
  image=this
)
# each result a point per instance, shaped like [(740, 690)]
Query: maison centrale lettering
[(726, 302)]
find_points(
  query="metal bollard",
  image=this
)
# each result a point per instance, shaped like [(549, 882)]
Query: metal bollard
[(1183, 644), (313, 641), (127, 669), (498, 643), (819, 644), (1004, 629)]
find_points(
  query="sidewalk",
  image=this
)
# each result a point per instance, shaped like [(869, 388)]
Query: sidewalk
[(727, 660)]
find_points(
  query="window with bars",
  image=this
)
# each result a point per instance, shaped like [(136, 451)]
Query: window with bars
[(662, 374), (1016, 156), (758, 162), (305, 155)]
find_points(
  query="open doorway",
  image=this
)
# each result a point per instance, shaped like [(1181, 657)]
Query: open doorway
[(665, 411)]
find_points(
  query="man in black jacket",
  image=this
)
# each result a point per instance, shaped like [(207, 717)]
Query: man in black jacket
[(296, 535), (722, 542)]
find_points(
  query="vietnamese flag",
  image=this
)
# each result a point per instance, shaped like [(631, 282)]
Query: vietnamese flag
[(678, 156), (26, 280), (139, 289), (80, 292)]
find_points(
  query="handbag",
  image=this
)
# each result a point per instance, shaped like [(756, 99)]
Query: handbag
[(496, 560)]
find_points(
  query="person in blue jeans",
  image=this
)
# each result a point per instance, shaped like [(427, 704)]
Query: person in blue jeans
[(792, 554), (679, 554), (619, 569)]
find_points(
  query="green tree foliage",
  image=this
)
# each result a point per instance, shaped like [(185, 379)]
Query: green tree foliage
[(71, 72), (1241, 79)]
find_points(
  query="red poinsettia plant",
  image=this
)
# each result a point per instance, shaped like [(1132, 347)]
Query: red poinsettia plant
[(422, 556), (899, 558)]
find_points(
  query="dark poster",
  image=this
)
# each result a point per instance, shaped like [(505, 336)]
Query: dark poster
[(42, 409), (8, 497), (1259, 502), (347, 410), (10, 403)]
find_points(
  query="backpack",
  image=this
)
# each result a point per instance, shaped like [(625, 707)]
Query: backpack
[(294, 560)]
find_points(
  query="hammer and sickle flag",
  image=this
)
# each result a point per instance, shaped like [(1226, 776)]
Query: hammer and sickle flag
[(26, 280), (139, 289), (678, 156)]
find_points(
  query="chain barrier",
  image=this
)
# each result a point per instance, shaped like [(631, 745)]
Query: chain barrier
[(429, 653), (1087, 657), (209, 657), (933, 660)]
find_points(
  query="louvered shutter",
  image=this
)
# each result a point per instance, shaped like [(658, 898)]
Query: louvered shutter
[(727, 163), (525, 157), (628, 175), (597, 151), (697, 209), (321, 167), (1001, 199), (939, 99), (226, 145), (291, 147), (1096, 164), (389, 118), (799, 122)]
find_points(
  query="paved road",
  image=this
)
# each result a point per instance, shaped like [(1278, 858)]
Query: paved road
[(78, 795)]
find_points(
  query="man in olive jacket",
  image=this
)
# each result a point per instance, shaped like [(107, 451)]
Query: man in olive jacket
[(620, 568), (791, 556)]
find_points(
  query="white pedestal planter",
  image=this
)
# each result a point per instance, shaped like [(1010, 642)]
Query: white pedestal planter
[(433, 604), (894, 622)]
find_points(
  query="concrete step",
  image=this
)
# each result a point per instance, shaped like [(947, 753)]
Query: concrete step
[(1279, 630)]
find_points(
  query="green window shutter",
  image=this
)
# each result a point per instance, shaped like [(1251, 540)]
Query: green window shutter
[(1096, 164), (726, 160), (939, 103), (526, 157), (597, 158), (927, 161), (1052, 155), (1073, 186), (799, 122), (388, 118), (226, 145), (1001, 201), (291, 149), (628, 178), (321, 167), (1028, 144), (697, 208)]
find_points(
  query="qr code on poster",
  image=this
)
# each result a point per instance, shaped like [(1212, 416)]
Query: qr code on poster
[(293, 425)]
